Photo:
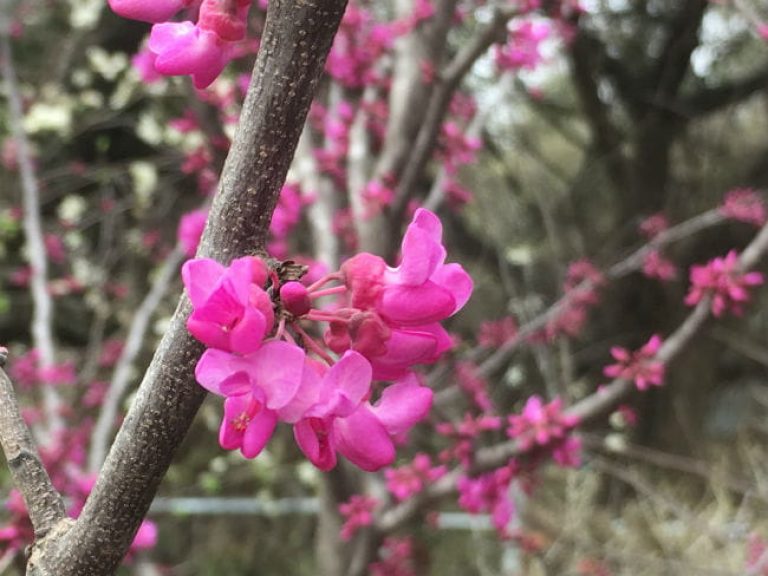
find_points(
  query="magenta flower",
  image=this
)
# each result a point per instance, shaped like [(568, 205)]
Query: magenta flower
[(654, 225), (422, 289), (184, 48), (539, 423), (357, 512), (724, 282), (523, 50), (231, 310), (640, 366), (256, 387), (405, 481), (745, 205), (191, 228), (657, 266), (495, 333), (331, 414), (489, 493)]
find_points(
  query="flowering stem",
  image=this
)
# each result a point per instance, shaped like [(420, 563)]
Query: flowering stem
[(324, 280), (328, 292), (313, 346)]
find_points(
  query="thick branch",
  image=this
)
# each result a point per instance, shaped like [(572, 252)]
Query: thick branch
[(43, 502), (296, 40)]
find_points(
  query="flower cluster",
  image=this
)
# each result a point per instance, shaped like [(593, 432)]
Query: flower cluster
[(744, 205), (490, 493), (640, 366), (724, 282), (397, 558), (523, 50), (387, 321), (405, 481), (200, 49), (540, 423), (357, 513)]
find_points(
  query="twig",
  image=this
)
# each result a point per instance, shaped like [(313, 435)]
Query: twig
[(44, 503)]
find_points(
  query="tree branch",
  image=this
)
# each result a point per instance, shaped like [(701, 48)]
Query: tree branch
[(295, 43), (44, 503)]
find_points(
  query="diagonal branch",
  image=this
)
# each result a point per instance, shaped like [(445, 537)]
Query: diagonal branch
[(44, 503), (295, 43)]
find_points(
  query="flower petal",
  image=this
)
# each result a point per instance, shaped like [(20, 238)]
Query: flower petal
[(402, 405), (363, 440), (258, 433), (277, 369)]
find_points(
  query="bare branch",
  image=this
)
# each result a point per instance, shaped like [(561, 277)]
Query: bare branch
[(44, 503)]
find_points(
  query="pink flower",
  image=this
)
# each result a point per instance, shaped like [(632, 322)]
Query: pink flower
[(489, 493), (656, 266), (183, 48), (256, 387), (191, 228), (144, 64), (397, 558), (762, 30), (146, 536), (331, 414), (745, 205), (523, 48), (654, 225), (231, 310), (640, 366), (724, 282), (474, 385), (405, 481), (539, 423), (148, 10), (358, 512)]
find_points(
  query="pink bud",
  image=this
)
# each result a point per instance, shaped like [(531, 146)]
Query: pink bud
[(295, 298)]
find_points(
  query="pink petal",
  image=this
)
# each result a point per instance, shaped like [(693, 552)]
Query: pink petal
[(351, 376), (454, 278), (277, 369), (216, 367), (403, 404), (200, 277), (306, 396), (146, 10), (415, 305), (258, 433), (319, 446), (421, 257), (247, 335), (363, 440)]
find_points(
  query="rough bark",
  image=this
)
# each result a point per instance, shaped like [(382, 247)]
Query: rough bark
[(295, 43)]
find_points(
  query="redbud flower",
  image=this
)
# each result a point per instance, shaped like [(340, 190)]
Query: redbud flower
[(231, 310), (724, 282), (656, 266), (256, 386), (184, 48), (358, 512), (745, 205), (639, 366), (405, 481), (539, 423)]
